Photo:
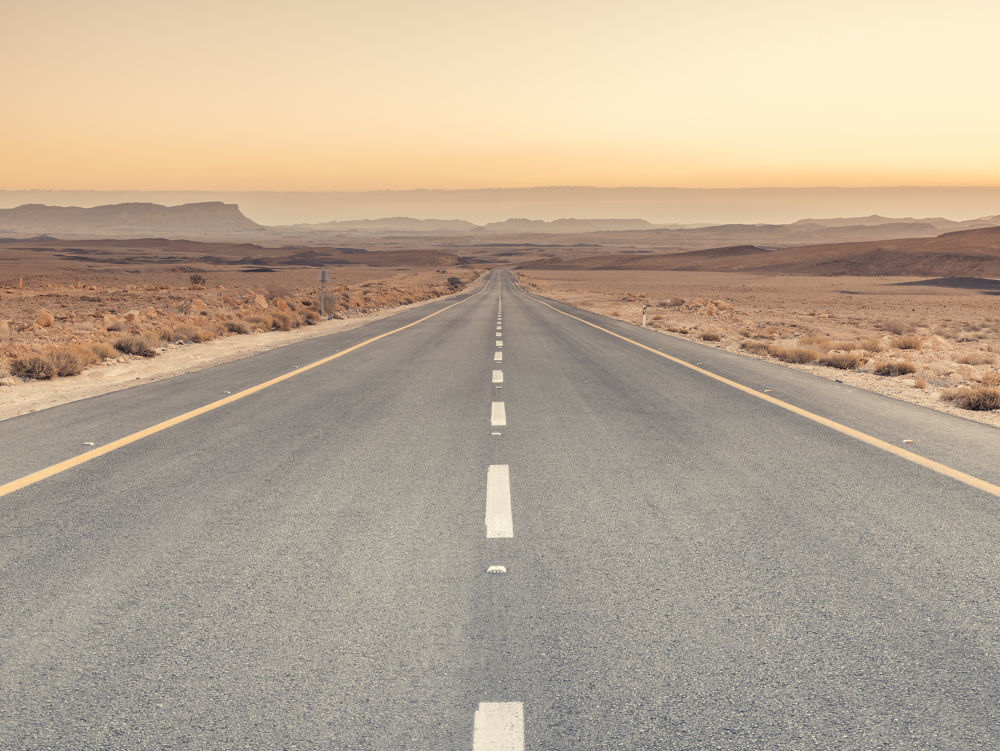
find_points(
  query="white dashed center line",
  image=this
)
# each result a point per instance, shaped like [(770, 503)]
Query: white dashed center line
[(498, 414), (498, 357), (499, 342), (498, 726), (498, 517), (497, 376)]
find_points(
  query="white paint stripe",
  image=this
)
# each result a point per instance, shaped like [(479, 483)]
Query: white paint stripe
[(498, 518), (498, 357), (498, 726), (498, 414), (499, 342), (497, 376)]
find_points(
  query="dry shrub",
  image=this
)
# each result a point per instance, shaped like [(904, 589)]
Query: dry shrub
[(238, 327), (194, 334), (116, 326), (742, 332), (896, 326), (816, 340), (793, 354), (901, 367), (842, 360), (66, 362), (906, 342), (282, 321), (844, 345), (711, 336), (136, 345), (165, 335), (102, 350), (260, 320), (757, 348), (870, 345), (310, 317), (677, 329), (38, 368), (976, 358), (919, 383), (980, 398), (990, 379)]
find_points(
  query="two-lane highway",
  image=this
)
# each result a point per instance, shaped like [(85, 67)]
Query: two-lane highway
[(687, 565)]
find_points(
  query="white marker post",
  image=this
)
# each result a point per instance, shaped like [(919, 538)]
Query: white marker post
[(644, 316)]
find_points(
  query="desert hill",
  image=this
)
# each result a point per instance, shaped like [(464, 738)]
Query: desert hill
[(966, 253), (126, 219)]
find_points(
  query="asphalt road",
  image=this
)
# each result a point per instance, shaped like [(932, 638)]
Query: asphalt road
[(688, 566)]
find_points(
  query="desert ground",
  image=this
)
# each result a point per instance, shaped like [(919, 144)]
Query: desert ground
[(127, 308), (950, 335), (928, 335)]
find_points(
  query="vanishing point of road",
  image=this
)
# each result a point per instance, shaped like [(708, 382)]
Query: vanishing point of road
[(498, 523)]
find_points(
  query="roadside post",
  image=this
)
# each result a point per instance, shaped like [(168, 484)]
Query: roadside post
[(322, 293), (644, 316)]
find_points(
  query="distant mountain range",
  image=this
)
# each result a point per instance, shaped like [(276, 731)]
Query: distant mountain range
[(128, 220), (223, 221)]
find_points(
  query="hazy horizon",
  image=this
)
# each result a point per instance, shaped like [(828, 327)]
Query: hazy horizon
[(482, 205)]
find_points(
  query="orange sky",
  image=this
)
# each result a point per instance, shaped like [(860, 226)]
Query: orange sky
[(334, 95)]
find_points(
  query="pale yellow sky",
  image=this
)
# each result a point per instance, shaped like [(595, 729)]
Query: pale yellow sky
[(330, 95)]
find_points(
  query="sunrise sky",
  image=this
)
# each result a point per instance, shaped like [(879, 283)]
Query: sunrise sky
[(333, 95)]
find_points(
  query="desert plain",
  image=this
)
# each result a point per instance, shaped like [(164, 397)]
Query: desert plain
[(914, 318)]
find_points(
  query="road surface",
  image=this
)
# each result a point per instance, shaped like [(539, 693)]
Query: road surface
[(511, 524)]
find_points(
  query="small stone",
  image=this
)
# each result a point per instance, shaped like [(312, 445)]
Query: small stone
[(496, 570), (908, 441)]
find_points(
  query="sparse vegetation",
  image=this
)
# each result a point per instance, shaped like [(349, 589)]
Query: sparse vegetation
[(979, 398), (282, 321), (711, 336), (135, 345), (34, 367), (66, 362), (976, 358), (897, 368), (842, 360), (102, 350), (195, 334), (906, 342), (758, 348), (990, 379), (793, 354), (870, 345), (197, 279), (238, 327)]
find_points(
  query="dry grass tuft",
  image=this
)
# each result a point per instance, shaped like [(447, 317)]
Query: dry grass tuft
[(901, 367), (896, 326), (816, 340), (238, 327), (282, 321), (757, 348), (799, 355), (66, 362), (990, 379), (980, 398), (136, 345), (711, 336), (194, 334), (870, 345), (310, 317), (36, 367), (842, 360), (906, 342), (117, 326), (102, 350), (919, 383), (976, 358)]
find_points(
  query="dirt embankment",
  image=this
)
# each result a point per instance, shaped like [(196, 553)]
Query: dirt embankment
[(933, 345)]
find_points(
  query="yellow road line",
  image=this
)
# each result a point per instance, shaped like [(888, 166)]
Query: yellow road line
[(107, 448), (923, 461)]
